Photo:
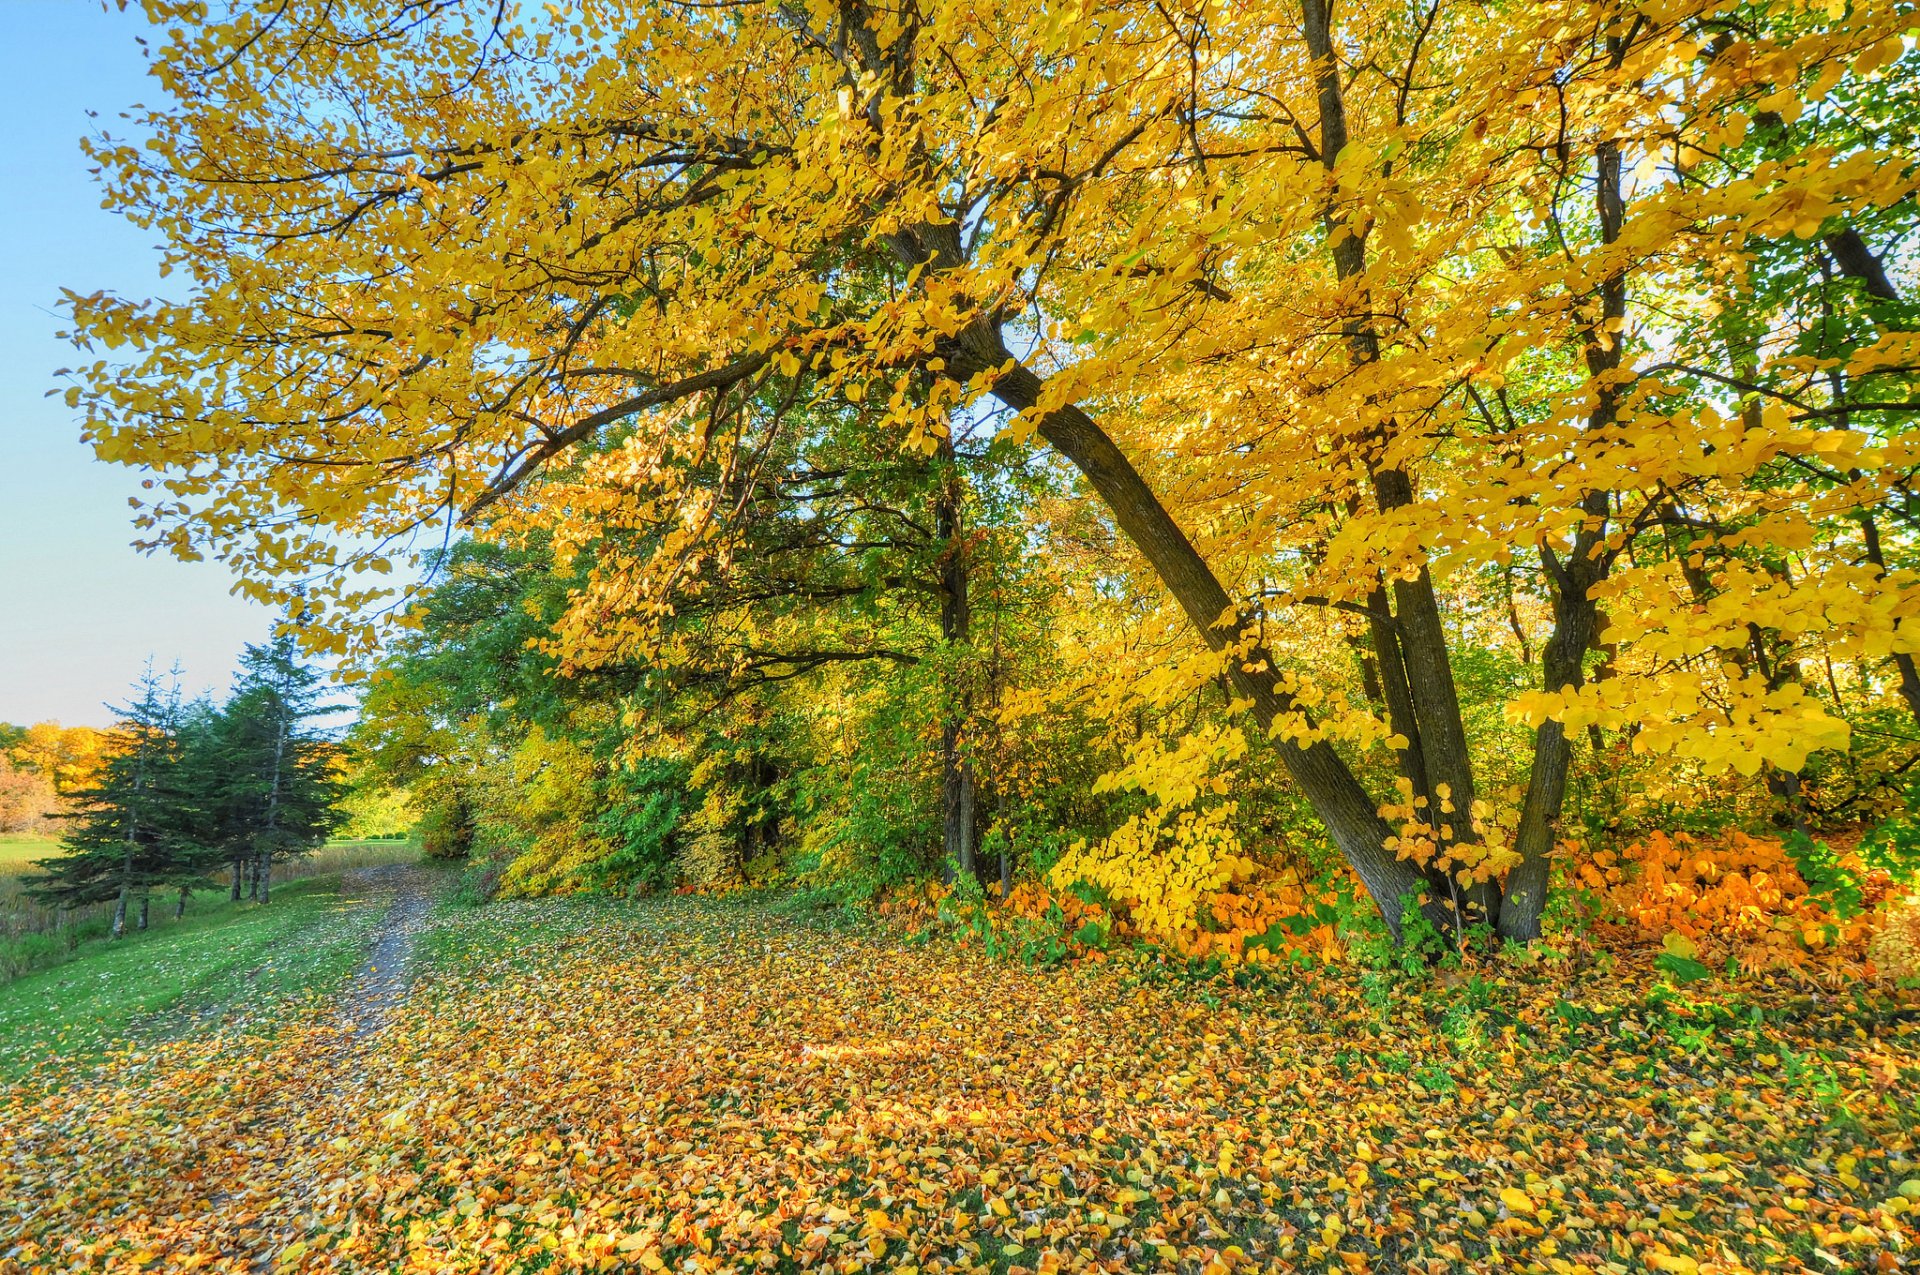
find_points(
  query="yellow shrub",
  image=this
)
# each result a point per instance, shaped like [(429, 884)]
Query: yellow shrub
[(1895, 948)]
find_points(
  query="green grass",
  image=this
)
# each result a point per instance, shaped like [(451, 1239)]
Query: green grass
[(221, 960), (32, 938), (18, 850)]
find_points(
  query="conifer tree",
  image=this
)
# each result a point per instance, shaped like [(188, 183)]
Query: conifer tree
[(273, 794), (125, 837)]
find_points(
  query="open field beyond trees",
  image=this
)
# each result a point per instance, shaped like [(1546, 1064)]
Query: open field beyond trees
[(697, 1085)]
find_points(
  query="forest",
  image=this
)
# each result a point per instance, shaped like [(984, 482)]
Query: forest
[(1126, 636)]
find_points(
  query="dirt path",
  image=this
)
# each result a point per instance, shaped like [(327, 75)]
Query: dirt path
[(382, 980)]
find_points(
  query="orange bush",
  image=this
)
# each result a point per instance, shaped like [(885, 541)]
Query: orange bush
[(1228, 920), (1735, 895)]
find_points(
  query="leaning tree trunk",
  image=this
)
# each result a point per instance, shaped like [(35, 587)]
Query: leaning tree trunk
[(1351, 815)]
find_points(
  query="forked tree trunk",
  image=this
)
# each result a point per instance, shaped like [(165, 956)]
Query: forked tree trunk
[(1575, 614), (1412, 635)]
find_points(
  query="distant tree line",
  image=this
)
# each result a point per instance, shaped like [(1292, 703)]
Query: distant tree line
[(193, 790), (40, 765)]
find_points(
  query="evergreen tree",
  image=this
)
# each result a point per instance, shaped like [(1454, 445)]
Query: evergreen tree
[(272, 793), (126, 834)]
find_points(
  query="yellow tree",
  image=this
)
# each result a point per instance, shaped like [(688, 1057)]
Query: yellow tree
[(1328, 309)]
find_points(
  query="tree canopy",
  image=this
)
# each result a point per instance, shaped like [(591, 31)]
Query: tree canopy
[(1381, 336)]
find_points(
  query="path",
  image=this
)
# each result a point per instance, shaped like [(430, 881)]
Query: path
[(382, 980)]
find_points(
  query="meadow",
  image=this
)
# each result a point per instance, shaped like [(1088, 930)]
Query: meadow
[(34, 937)]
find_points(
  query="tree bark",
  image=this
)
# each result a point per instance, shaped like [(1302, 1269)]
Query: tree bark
[(957, 788), (1576, 615)]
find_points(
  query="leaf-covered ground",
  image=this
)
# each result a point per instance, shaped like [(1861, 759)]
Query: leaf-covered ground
[(701, 1085)]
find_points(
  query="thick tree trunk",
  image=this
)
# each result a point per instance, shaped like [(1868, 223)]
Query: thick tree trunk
[(233, 895), (180, 907), (146, 906), (119, 926), (263, 876)]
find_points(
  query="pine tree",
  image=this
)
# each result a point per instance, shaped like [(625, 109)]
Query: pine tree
[(275, 794), (126, 828)]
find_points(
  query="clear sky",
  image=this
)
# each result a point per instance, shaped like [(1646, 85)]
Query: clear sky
[(80, 611)]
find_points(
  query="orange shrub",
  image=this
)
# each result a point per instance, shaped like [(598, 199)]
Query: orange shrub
[(1734, 894)]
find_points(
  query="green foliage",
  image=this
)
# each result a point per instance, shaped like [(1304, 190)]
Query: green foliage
[(1829, 882), (446, 829)]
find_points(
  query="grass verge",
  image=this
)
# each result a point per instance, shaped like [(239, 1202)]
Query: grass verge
[(225, 960)]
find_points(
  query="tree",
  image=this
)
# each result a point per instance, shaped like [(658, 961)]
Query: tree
[(126, 834), (1359, 312), (26, 797), (268, 774)]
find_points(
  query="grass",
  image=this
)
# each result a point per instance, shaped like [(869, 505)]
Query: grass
[(225, 960), (18, 850), (33, 938)]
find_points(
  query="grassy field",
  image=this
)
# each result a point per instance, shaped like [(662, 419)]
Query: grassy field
[(33, 938), (222, 961), (18, 850)]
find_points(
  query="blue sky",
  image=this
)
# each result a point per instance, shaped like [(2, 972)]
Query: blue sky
[(80, 610)]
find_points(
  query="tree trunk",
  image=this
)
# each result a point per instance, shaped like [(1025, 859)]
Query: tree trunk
[(239, 870), (253, 878), (119, 926), (1351, 816), (957, 788), (263, 876), (1576, 615), (146, 905), (180, 908), (1431, 719)]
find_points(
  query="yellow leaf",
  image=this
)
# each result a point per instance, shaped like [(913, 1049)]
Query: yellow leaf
[(1516, 1200)]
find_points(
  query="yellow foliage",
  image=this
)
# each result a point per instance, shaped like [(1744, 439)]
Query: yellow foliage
[(1895, 948)]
